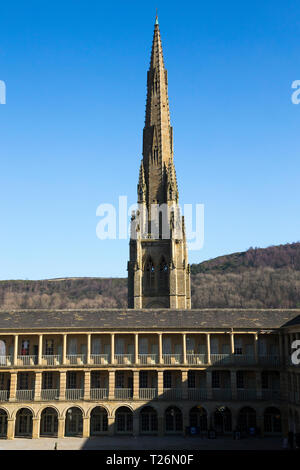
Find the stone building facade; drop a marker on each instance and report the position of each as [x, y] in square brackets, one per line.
[158, 367]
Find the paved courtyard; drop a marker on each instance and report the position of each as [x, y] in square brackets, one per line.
[143, 443]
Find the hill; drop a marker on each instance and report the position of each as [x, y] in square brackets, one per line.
[257, 278]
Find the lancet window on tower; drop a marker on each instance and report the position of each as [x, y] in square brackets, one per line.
[149, 278]
[163, 275]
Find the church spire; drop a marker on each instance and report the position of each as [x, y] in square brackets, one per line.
[157, 135]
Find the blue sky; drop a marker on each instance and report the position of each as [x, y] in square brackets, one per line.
[71, 130]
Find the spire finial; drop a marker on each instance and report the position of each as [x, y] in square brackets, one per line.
[156, 17]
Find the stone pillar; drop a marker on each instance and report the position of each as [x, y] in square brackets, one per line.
[62, 385]
[184, 348]
[258, 385]
[184, 382]
[64, 358]
[10, 428]
[209, 384]
[88, 349]
[233, 384]
[16, 350]
[35, 428]
[40, 350]
[136, 384]
[136, 348]
[112, 348]
[86, 426]
[111, 425]
[13, 386]
[208, 348]
[87, 385]
[38, 386]
[232, 344]
[160, 383]
[61, 427]
[111, 384]
[255, 337]
[160, 355]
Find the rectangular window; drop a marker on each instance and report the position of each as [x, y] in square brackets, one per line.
[23, 381]
[238, 346]
[119, 379]
[71, 380]
[264, 380]
[240, 379]
[96, 346]
[143, 379]
[49, 347]
[214, 345]
[25, 348]
[167, 379]
[95, 379]
[215, 377]
[47, 380]
[191, 379]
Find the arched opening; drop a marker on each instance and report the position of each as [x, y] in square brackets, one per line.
[124, 420]
[198, 418]
[247, 419]
[163, 276]
[74, 422]
[49, 422]
[23, 423]
[148, 420]
[173, 420]
[3, 424]
[99, 421]
[149, 276]
[272, 421]
[222, 420]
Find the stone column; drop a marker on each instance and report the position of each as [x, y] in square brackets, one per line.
[61, 427]
[86, 426]
[160, 383]
[184, 348]
[209, 384]
[112, 348]
[10, 428]
[37, 386]
[255, 337]
[13, 386]
[40, 350]
[87, 385]
[35, 428]
[208, 348]
[16, 350]
[233, 384]
[160, 355]
[232, 344]
[111, 384]
[111, 425]
[136, 384]
[62, 385]
[136, 348]
[88, 349]
[258, 385]
[184, 384]
[64, 356]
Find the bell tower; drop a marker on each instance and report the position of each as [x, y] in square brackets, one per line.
[158, 269]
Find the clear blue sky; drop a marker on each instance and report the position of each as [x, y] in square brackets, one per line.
[71, 131]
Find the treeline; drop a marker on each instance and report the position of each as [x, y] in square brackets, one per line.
[256, 278]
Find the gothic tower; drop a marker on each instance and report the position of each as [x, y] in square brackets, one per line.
[158, 269]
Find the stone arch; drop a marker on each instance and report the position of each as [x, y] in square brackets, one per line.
[43, 407]
[15, 411]
[106, 408]
[98, 420]
[222, 420]
[126, 405]
[247, 418]
[148, 420]
[272, 420]
[23, 423]
[64, 412]
[49, 422]
[173, 420]
[149, 274]
[2, 408]
[198, 418]
[74, 421]
[124, 420]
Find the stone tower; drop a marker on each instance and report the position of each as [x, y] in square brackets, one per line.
[158, 269]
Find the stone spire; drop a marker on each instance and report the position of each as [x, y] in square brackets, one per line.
[157, 135]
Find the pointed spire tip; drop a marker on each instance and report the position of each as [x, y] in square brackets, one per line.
[156, 17]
